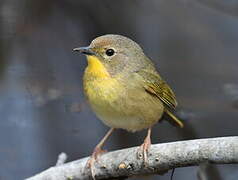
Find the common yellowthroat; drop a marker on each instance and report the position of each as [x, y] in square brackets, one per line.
[124, 89]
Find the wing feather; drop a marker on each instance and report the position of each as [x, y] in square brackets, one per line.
[158, 87]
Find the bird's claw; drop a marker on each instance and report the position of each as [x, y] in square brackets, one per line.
[94, 158]
[143, 151]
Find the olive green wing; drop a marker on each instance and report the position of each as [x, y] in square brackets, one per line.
[154, 85]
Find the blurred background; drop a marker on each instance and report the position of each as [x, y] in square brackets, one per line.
[43, 110]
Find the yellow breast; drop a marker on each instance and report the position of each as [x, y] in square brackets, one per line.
[99, 86]
[112, 102]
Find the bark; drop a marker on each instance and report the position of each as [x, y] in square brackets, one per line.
[161, 158]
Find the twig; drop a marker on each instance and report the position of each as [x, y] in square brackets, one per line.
[61, 159]
[161, 158]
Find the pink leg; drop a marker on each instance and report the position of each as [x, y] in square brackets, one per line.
[145, 147]
[97, 152]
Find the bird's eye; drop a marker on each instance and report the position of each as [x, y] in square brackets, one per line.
[110, 52]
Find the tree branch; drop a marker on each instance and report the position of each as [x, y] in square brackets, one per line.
[161, 158]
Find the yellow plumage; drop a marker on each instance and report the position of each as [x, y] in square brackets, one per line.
[96, 68]
[124, 89]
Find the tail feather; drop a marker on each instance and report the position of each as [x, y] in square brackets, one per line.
[174, 118]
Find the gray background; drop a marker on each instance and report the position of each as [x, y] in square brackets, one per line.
[194, 44]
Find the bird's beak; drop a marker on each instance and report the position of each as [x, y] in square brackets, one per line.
[85, 50]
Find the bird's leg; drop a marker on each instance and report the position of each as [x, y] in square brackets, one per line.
[97, 152]
[143, 150]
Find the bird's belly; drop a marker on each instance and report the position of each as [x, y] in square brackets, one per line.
[119, 109]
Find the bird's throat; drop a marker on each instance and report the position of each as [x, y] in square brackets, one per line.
[96, 68]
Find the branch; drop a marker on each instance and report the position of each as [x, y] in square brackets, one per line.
[161, 158]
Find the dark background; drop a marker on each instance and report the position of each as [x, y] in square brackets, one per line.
[43, 110]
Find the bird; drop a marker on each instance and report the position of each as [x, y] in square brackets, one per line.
[125, 90]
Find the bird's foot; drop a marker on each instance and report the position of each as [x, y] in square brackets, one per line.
[143, 150]
[94, 157]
